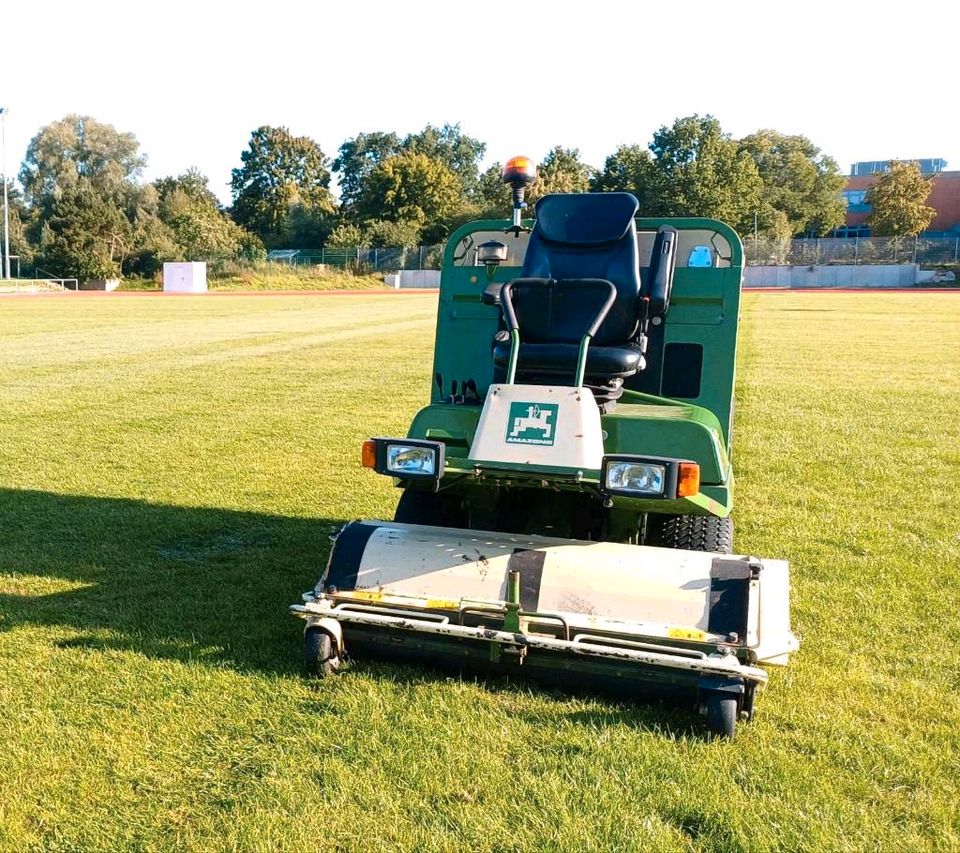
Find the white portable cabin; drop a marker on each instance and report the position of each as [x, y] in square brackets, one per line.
[189, 277]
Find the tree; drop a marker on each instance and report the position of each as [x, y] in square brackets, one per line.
[360, 156]
[18, 217]
[86, 235]
[701, 171]
[798, 180]
[152, 242]
[204, 232]
[561, 171]
[75, 149]
[411, 188]
[449, 145]
[199, 227]
[491, 195]
[279, 170]
[179, 193]
[898, 198]
[87, 211]
[629, 169]
[382, 234]
[346, 235]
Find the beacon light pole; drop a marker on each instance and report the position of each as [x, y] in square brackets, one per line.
[6, 213]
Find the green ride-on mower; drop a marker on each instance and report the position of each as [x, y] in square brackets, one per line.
[566, 495]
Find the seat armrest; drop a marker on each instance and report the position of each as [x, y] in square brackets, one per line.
[663, 261]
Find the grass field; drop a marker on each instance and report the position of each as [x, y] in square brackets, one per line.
[170, 470]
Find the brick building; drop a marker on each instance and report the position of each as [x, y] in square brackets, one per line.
[944, 197]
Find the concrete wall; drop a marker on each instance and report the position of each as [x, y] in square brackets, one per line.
[99, 284]
[418, 278]
[838, 275]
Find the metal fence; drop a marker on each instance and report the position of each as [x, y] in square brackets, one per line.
[762, 251]
[361, 259]
[853, 250]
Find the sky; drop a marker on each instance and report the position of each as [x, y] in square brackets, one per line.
[191, 80]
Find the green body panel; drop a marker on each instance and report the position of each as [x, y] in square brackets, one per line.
[682, 432]
[646, 425]
[704, 309]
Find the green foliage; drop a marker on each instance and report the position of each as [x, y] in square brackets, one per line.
[561, 171]
[279, 171]
[84, 205]
[898, 198]
[180, 193]
[346, 235]
[153, 242]
[411, 188]
[79, 148]
[305, 228]
[200, 230]
[798, 180]
[360, 156]
[18, 217]
[377, 188]
[272, 276]
[414, 189]
[700, 171]
[491, 196]
[382, 233]
[449, 145]
[86, 236]
[629, 169]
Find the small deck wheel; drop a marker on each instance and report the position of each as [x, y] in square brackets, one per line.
[319, 653]
[722, 714]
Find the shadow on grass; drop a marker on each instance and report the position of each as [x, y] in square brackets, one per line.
[602, 707]
[212, 585]
[166, 581]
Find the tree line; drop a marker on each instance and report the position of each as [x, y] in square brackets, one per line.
[84, 210]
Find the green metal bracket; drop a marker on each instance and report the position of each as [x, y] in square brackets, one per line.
[582, 362]
[511, 619]
[514, 355]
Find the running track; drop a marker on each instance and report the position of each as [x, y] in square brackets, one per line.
[433, 291]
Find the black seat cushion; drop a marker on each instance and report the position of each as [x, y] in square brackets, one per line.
[562, 358]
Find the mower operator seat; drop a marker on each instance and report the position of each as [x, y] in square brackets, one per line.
[578, 237]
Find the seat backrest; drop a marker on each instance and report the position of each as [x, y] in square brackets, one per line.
[582, 236]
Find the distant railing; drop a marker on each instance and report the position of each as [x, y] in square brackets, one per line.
[852, 250]
[374, 260]
[763, 251]
[38, 285]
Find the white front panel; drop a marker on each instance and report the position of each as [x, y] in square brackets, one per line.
[594, 585]
[539, 425]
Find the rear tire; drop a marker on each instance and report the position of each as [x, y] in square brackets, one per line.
[691, 532]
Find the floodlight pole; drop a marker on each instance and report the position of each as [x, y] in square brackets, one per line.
[6, 214]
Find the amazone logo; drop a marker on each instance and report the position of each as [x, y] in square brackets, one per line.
[532, 423]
